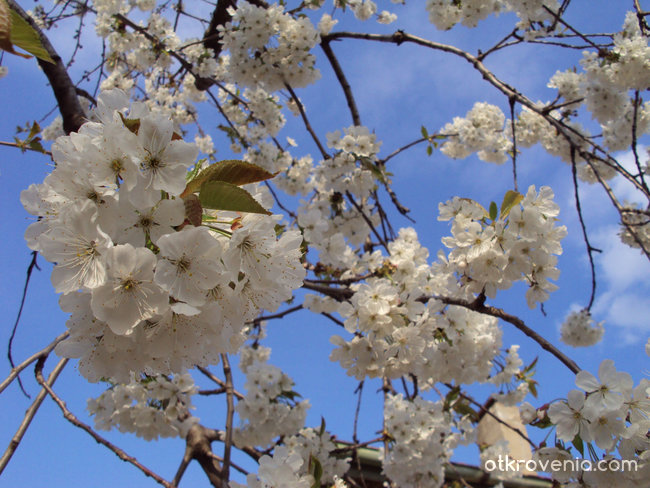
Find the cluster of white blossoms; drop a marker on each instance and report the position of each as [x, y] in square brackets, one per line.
[422, 442]
[579, 330]
[269, 47]
[396, 334]
[444, 14]
[334, 219]
[151, 407]
[317, 445]
[481, 131]
[514, 386]
[280, 470]
[269, 409]
[519, 243]
[612, 413]
[149, 291]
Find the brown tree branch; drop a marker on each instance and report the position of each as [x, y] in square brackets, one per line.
[70, 417]
[340, 75]
[227, 372]
[64, 89]
[42, 353]
[480, 307]
[31, 412]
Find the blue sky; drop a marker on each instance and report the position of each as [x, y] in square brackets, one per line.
[398, 89]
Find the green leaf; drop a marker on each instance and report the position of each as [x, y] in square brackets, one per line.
[322, 427]
[423, 131]
[219, 195]
[230, 171]
[544, 423]
[36, 145]
[132, 124]
[510, 199]
[25, 37]
[195, 170]
[578, 444]
[317, 471]
[429, 150]
[531, 365]
[493, 211]
[34, 129]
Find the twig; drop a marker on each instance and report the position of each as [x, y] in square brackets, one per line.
[381, 240]
[338, 71]
[590, 248]
[30, 269]
[305, 121]
[218, 381]
[637, 102]
[485, 411]
[43, 352]
[357, 411]
[24, 148]
[30, 413]
[511, 101]
[278, 315]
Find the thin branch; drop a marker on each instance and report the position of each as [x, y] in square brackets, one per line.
[568, 26]
[478, 306]
[339, 294]
[278, 315]
[225, 466]
[42, 353]
[338, 71]
[499, 45]
[278, 203]
[400, 37]
[357, 411]
[24, 148]
[590, 248]
[333, 319]
[70, 417]
[637, 102]
[305, 120]
[187, 458]
[381, 240]
[485, 411]
[218, 381]
[29, 414]
[403, 148]
[30, 269]
[511, 101]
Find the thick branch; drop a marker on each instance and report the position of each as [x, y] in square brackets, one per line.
[199, 440]
[62, 86]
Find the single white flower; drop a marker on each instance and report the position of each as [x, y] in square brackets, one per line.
[190, 264]
[129, 294]
[609, 391]
[77, 244]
